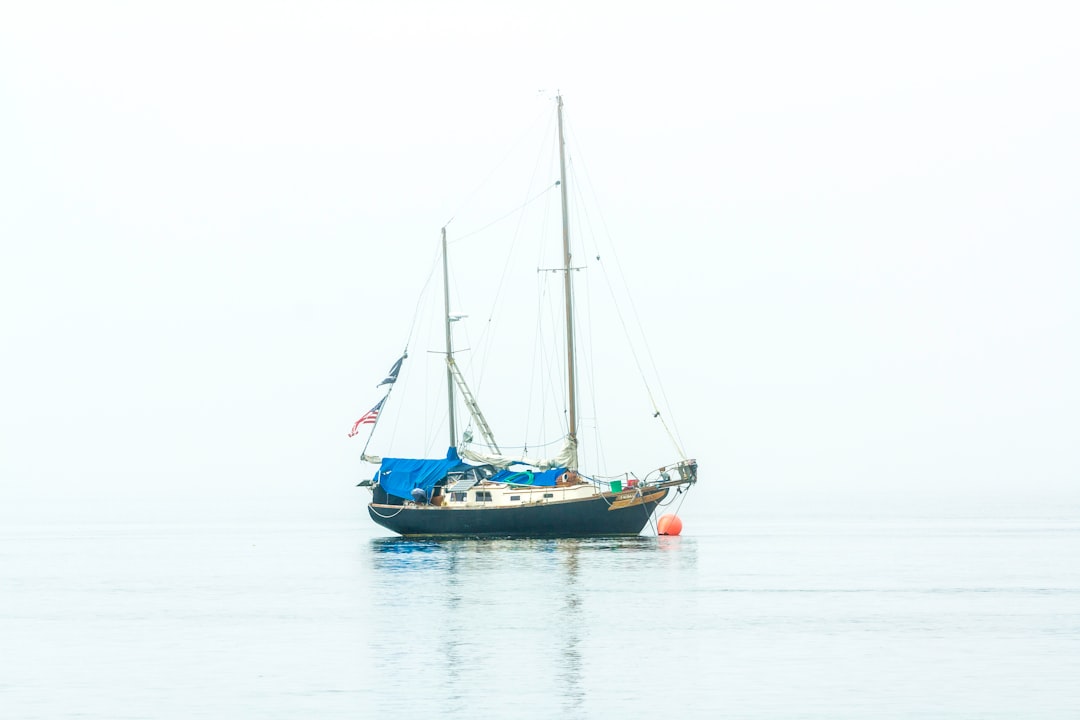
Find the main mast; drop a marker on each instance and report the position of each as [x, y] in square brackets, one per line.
[449, 344]
[571, 368]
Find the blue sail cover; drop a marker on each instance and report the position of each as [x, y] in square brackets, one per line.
[400, 476]
[546, 478]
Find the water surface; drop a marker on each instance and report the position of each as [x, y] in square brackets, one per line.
[749, 617]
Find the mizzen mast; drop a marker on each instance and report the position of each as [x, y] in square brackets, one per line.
[449, 344]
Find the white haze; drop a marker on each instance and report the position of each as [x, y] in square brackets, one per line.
[852, 227]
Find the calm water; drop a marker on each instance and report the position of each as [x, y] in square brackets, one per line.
[741, 617]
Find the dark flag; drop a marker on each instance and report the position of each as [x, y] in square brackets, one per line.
[391, 377]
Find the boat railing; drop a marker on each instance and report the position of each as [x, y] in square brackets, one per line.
[614, 483]
[683, 472]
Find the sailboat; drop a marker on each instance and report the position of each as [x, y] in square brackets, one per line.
[488, 493]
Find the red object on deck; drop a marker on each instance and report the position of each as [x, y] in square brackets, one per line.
[669, 525]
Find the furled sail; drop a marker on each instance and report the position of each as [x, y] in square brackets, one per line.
[567, 458]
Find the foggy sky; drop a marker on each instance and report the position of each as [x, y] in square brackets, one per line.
[854, 229]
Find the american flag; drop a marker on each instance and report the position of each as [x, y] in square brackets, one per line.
[367, 418]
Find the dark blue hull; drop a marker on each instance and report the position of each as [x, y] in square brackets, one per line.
[589, 517]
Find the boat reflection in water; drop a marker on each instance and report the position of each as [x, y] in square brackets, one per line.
[543, 623]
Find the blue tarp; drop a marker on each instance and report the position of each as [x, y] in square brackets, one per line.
[400, 476]
[529, 477]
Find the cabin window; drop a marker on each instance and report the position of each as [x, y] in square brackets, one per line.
[458, 497]
[483, 496]
[514, 497]
[549, 495]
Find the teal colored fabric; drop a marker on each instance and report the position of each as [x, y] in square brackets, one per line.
[546, 478]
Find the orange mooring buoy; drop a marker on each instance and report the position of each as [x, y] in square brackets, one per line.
[669, 525]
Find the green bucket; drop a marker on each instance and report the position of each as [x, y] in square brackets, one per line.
[616, 486]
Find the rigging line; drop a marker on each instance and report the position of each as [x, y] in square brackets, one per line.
[549, 443]
[420, 299]
[652, 523]
[601, 461]
[558, 366]
[588, 354]
[382, 405]
[548, 367]
[540, 351]
[641, 371]
[561, 365]
[669, 502]
[436, 412]
[430, 445]
[455, 290]
[540, 285]
[509, 256]
[408, 342]
[684, 493]
[484, 344]
[648, 513]
[397, 416]
[546, 385]
[543, 381]
[585, 358]
[521, 138]
[637, 317]
[499, 219]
